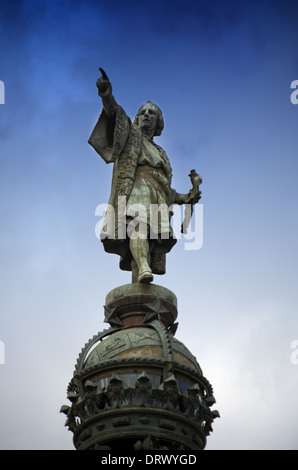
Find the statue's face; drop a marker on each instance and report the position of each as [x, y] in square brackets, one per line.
[148, 117]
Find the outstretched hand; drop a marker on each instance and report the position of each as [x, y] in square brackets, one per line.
[192, 197]
[103, 84]
[195, 193]
[197, 197]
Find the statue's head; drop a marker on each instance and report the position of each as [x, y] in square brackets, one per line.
[150, 115]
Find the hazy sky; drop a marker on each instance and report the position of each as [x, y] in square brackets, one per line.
[221, 72]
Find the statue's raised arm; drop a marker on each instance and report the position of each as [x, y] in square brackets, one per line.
[105, 92]
[111, 131]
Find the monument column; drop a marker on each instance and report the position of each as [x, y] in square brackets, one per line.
[135, 386]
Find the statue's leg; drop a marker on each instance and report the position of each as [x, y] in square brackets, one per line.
[134, 271]
[140, 251]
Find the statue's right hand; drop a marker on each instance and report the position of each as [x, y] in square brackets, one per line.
[103, 84]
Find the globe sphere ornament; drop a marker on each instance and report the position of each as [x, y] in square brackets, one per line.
[135, 386]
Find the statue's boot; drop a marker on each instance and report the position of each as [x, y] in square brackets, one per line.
[140, 251]
[145, 276]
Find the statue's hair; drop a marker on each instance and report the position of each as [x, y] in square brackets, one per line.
[160, 122]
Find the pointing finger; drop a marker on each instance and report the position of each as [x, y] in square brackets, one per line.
[104, 75]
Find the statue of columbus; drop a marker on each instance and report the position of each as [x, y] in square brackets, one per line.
[141, 182]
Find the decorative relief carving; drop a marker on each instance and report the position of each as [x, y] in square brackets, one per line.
[194, 403]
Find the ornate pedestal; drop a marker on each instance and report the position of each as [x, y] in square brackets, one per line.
[135, 386]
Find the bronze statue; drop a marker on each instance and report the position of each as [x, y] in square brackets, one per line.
[137, 222]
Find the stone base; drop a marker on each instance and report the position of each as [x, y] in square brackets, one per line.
[135, 386]
[137, 304]
[166, 429]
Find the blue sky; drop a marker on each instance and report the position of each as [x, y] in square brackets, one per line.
[221, 72]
